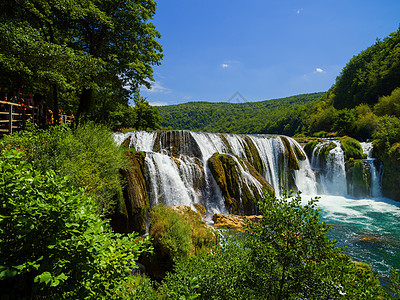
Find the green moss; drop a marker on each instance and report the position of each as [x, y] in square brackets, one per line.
[290, 154]
[309, 147]
[253, 157]
[351, 148]
[136, 200]
[325, 149]
[226, 143]
[126, 143]
[358, 177]
[239, 198]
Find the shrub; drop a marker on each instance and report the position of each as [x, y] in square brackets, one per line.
[52, 241]
[88, 155]
[172, 235]
[287, 255]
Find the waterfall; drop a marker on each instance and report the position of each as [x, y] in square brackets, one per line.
[376, 170]
[177, 165]
[329, 165]
[178, 172]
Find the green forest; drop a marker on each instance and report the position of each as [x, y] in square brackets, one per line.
[63, 188]
[284, 115]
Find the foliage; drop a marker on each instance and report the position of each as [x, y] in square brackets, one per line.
[224, 273]
[53, 243]
[147, 116]
[179, 231]
[286, 256]
[323, 119]
[68, 49]
[172, 235]
[344, 123]
[387, 134]
[372, 73]
[351, 148]
[88, 155]
[285, 116]
[389, 105]
[395, 284]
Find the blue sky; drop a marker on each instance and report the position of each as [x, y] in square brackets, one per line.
[261, 49]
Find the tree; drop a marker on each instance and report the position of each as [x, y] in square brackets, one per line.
[114, 38]
[125, 40]
[147, 116]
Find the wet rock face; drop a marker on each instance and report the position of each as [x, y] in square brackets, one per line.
[136, 202]
[176, 143]
[239, 192]
[358, 175]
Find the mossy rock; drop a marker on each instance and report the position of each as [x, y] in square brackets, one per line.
[136, 200]
[351, 148]
[252, 155]
[358, 177]
[126, 142]
[201, 210]
[228, 148]
[324, 150]
[239, 196]
[233, 222]
[293, 162]
[309, 147]
[177, 142]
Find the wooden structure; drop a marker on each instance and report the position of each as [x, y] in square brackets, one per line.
[13, 116]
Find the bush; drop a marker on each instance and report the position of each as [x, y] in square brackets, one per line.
[52, 241]
[172, 235]
[88, 155]
[286, 256]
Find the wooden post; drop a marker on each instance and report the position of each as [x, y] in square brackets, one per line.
[10, 120]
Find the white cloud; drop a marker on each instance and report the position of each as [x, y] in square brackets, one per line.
[319, 70]
[299, 11]
[224, 66]
[158, 103]
[156, 88]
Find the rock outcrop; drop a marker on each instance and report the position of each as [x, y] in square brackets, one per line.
[240, 183]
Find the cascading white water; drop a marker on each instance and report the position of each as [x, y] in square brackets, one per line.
[331, 170]
[178, 174]
[376, 172]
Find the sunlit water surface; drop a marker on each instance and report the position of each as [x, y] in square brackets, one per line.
[368, 228]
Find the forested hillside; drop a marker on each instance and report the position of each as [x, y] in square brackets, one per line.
[271, 116]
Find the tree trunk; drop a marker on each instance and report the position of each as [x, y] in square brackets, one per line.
[85, 102]
[55, 104]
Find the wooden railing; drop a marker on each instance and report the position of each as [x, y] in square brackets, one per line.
[13, 116]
